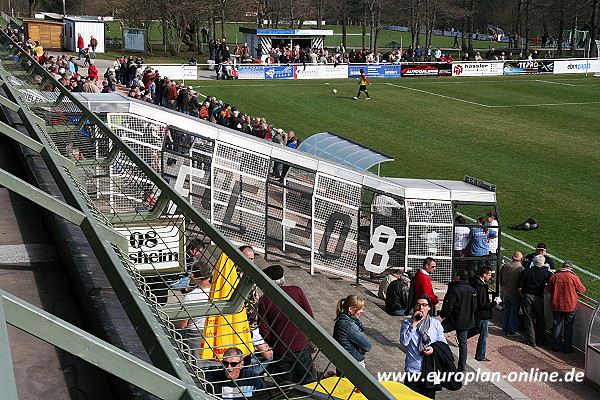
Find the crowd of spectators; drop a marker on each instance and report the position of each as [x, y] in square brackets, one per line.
[147, 84]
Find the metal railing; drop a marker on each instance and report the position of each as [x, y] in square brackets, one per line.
[147, 237]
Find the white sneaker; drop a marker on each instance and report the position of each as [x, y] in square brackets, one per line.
[355, 98]
[368, 98]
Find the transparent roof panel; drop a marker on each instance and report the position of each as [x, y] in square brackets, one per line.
[333, 147]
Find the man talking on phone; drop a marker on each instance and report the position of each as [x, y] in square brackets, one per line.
[417, 335]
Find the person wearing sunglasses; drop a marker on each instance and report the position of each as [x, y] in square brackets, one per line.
[417, 334]
[234, 381]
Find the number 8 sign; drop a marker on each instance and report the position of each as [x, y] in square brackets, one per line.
[383, 240]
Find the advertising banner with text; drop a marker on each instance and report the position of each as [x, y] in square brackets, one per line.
[576, 66]
[251, 72]
[321, 71]
[375, 71]
[528, 67]
[279, 72]
[433, 69]
[477, 69]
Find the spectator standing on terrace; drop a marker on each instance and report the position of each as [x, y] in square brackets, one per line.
[418, 53]
[234, 381]
[478, 239]
[540, 249]
[509, 276]
[492, 242]
[422, 283]
[483, 312]
[478, 56]
[437, 54]
[531, 284]
[172, 96]
[428, 53]
[458, 312]
[204, 113]
[93, 45]
[292, 348]
[80, 46]
[417, 334]
[362, 85]
[348, 329]
[193, 104]
[490, 54]
[461, 238]
[564, 286]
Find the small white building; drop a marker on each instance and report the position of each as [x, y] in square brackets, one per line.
[87, 26]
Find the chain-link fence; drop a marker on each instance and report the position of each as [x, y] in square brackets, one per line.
[234, 329]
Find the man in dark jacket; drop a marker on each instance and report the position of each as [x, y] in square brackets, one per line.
[396, 295]
[539, 249]
[458, 312]
[484, 311]
[532, 285]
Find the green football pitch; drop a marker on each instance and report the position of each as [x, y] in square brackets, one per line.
[535, 137]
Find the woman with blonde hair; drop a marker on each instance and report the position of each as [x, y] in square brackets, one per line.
[348, 330]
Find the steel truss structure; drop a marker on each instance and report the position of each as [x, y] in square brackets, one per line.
[146, 235]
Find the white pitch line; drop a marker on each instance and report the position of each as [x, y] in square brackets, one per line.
[533, 248]
[546, 104]
[554, 83]
[439, 95]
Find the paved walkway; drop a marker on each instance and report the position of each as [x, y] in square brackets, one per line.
[30, 269]
[507, 355]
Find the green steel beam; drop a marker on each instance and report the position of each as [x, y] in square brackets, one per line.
[8, 104]
[54, 205]
[321, 338]
[82, 344]
[30, 143]
[225, 307]
[151, 333]
[8, 383]
[19, 136]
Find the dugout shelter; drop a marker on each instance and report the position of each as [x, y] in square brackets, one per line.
[261, 41]
[318, 212]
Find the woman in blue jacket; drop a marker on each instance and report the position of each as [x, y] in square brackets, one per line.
[348, 328]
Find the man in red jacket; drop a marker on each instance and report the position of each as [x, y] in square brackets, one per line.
[564, 286]
[292, 348]
[422, 282]
[80, 45]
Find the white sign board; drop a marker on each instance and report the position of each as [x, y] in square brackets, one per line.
[177, 71]
[321, 72]
[155, 246]
[134, 39]
[477, 69]
[576, 66]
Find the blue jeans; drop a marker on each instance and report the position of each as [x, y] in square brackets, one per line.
[397, 312]
[557, 322]
[293, 367]
[511, 314]
[481, 328]
[258, 365]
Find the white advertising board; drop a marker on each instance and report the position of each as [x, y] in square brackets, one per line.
[576, 66]
[177, 71]
[155, 246]
[321, 72]
[477, 69]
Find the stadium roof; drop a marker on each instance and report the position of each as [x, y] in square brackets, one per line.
[333, 147]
